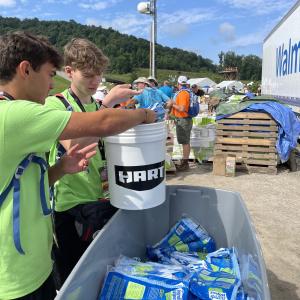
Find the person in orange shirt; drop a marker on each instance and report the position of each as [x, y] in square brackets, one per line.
[184, 123]
[128, 104]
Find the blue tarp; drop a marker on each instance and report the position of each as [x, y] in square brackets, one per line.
[288, 125]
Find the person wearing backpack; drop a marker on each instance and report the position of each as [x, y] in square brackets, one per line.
[82, 204]
[183, 120]
[28, 129]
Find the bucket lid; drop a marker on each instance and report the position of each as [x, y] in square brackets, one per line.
[147, 132]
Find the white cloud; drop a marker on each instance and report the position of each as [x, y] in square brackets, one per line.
[175, 30]
[187, 16]
[255, 38]
[65, 2]
[177, 24]
[261, 7]
[227, 31]
[8, 3]
[98, 5]
[250, 39]
[125, 23]
[95, 6]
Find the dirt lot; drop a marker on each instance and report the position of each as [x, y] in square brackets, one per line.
[273, 202]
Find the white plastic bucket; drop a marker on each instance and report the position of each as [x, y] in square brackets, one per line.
[136, 166]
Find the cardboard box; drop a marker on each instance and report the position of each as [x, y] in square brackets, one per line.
[219, 165]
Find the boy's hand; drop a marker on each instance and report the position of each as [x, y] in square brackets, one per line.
[150, 116]
[119, 93]
[74, 160]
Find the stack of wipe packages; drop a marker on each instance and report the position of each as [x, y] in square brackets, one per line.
[218, 277]
[187, 267]
[185, 236]
[215, 277]
[131, 279]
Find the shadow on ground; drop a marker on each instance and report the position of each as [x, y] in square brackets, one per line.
[281, 290]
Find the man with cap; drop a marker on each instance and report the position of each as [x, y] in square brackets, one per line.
[183, 121]
[150, 95]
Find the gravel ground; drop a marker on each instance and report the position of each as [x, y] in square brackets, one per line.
[273, 203]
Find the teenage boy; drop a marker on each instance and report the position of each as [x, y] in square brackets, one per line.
[80, 204]
[28, 129]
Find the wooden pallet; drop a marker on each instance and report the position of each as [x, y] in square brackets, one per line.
[251, 137]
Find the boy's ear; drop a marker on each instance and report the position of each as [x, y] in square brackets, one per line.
[68, 71]
[23, 68]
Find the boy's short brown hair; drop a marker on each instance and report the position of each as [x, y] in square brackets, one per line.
[83, 55]
[18, 46]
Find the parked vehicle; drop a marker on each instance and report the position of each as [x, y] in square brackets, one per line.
[281, 60]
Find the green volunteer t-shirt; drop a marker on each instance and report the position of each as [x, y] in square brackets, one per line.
[82, 187]
[25, 127]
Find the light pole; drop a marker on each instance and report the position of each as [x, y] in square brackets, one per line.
[149, 8]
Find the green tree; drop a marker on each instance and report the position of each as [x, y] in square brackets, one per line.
[249, 66]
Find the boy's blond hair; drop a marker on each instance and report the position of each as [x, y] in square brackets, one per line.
[83, 55]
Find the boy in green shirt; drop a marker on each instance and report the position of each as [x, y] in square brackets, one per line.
[77, 195]
[28, 129]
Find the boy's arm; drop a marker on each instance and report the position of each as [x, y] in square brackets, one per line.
[115, 96]
[105, 122]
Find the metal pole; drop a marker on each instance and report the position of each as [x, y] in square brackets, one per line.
[150, 53]
[154, 36]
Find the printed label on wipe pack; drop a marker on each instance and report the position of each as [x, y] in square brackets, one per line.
[214, 295]
[140, 178]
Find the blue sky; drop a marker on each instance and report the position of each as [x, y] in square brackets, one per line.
[202, 26]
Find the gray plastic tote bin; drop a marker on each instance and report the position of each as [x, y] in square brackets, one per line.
[222, 213]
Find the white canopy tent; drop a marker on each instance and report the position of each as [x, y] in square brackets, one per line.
[202, 82]
[229, 84]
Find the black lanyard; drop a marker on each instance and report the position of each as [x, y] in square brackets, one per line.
[4, 95]
[75, 97]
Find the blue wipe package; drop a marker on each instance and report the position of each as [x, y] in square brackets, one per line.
[219, 278]
[151, 269]
[132, 279]
[122, 286]
[185, 236]
[192, 261]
